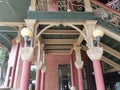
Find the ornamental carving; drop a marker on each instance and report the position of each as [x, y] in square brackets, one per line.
[106, 15]
[44, 68]
[39, 64]
[27, 53]
[95, 53]
[79, 64]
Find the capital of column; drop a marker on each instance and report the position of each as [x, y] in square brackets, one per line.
[27, 53]
[44, 68]
[79, 64]
[39, 64]
[95, 53]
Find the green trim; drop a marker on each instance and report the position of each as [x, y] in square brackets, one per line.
[64, 16]
[108, 26]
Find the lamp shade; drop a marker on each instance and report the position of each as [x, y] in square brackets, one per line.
[26, 32]
[98, 33]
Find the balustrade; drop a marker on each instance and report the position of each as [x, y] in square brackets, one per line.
[105, 13]
[61, 5]
[114, 4]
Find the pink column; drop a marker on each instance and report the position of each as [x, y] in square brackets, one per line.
[38, 78]
[24, 85]
[72, 70]
[98, 75]
[42, 86]
[80, 79]
[14, 67]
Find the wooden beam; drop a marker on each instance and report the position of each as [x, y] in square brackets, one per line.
[58, 41]
[110, 50]
[59, 47]
[58, 52]
[64, 32]
[110, 62]
[110, 33]
[63, 22]
[12, 23]
[111, 70]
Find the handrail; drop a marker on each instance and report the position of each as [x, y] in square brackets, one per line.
[105, 6]
[112, 2]
[106, 13]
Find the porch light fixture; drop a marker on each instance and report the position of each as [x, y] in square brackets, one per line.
[97, 34]
[27, 35]
[27, 52]
[25, 32]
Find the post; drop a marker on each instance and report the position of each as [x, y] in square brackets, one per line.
[95, 55]
[79, 66]
[72, 73]
[15, 64]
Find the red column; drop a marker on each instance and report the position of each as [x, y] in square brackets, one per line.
[38, 78]
[24, 85]
[14, 67]
[72, 70]
[42, 86]
[80, 79]
[98, 75]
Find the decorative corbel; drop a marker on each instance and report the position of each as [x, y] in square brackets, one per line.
[95, 53]
[78, 63]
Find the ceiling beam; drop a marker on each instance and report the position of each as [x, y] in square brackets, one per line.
[110, 33]
[110, 50]
[110, 62]
[58, 41]
[12, 23]
[63, 22]
[111, 70]
[66, 32]
[8, 31]
[58, 52]
[59, 47]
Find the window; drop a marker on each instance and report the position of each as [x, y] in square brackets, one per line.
[64, 77]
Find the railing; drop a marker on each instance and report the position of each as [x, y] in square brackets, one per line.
[60, 5]
[114, 4]
[106, 13]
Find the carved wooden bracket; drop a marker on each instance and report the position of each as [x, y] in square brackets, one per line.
[27, 53]
[95, 53]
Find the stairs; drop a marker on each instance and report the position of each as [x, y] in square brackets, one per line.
[107, 16]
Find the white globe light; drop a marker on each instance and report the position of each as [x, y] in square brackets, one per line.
[98, 33]
[26, 32]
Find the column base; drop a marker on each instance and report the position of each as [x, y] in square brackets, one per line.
[73, 88]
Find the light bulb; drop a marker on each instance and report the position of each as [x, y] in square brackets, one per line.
[25, 32]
